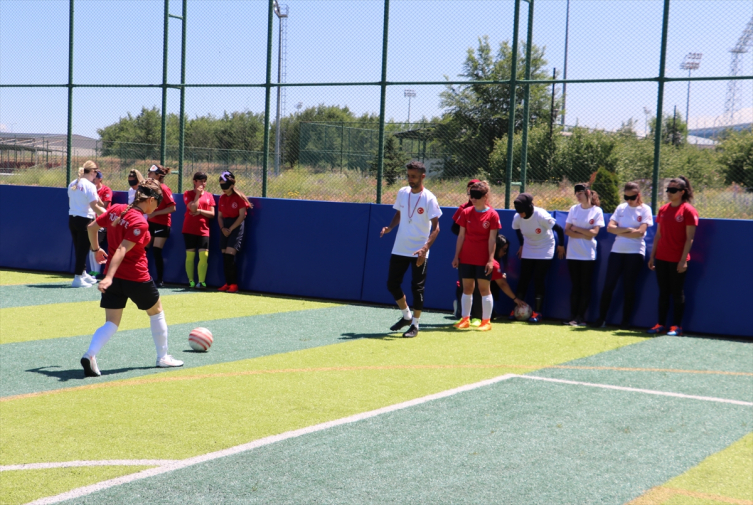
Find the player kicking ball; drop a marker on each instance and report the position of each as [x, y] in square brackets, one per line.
[417, 214]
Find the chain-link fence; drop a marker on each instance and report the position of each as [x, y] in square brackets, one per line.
[311, 104]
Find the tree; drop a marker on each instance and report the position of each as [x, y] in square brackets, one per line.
[607, 186]
[737, 157]
[583, 152]
[308, 139]
[673, 129]
[478, 114]
[540, 157]
[394, 161]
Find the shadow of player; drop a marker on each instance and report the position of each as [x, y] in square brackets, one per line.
[78, 373]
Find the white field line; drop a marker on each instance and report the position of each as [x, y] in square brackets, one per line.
[172, 465]
[636, 390]
[83, 491]
[103, 462]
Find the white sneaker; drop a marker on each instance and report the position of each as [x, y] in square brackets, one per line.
[88, 278]
[89, 363]
[80, 282]
[168, 361]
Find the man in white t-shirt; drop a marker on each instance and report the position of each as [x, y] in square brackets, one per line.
[417, 213]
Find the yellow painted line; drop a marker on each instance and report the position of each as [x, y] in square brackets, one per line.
[661, 494]
[41, 322]
[174, 378]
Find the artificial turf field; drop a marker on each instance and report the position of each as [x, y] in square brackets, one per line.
[304, 401]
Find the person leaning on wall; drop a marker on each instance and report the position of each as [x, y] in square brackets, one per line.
[83, 207]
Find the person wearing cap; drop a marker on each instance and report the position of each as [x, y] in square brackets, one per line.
[474, 255]
[105, 200]
[83, 207]
[417, 214]
[584, 220]
[199, 210]
[231, 219]
[159, 221]
[629, 223]
[535, 229]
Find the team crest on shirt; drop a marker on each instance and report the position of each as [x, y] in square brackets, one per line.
[137, 232]
[679, 218]
[235, 205]
[591, 222]
[486, 225]
[640, 218]
[538, 231]
[420, 210]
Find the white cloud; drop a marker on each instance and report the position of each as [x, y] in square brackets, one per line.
[742, 116]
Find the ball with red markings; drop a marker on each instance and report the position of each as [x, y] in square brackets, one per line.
[523, 312]
[200, 339]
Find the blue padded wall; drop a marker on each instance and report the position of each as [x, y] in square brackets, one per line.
[333, 250]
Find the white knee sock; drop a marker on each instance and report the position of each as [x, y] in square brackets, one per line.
[465, 305]
[415, 322]
[100, 338]
[487, 305]
[406, 313]
[159, 333]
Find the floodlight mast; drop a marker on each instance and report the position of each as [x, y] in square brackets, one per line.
[692, 61]
[281, 11]
[410, 93]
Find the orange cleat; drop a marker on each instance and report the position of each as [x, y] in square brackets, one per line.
[224, 287]
[485, 325]
[463, 324]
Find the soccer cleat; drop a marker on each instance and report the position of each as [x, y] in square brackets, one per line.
[571, 322]
[512, 317]
[191, 284]
[536, 317]
[655, 330]
[485, 325]
[201, 285]
[233, 288]
[463, 323]
[580, 322]
[412, 332]
[80, 282]
[675, 331]
[168, 361]
[475, 323]
[402, 323]
[224, 287]
[90, 366]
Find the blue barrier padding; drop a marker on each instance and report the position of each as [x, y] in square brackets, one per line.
[333, 250]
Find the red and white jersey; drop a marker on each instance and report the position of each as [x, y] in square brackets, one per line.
[478, 227]
[673, 221]
[230, 206]
[167, 200]
[197, 225]
[498, 272]
[460, 210]
[134, 228]
[105, 194]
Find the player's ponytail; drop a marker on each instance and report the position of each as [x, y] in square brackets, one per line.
[684, 184]
[88, 167]
[149, 188]
[160, 171]
[595, 201]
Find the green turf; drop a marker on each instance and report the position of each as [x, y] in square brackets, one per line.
[11, 277]
[514, 442]
[40, 365]
[685, 353]
[160, 420]
[39, 322]
[49, 293]
[23, 486]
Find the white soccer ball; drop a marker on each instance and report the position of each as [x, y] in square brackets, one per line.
[200, 339]
[523, 312]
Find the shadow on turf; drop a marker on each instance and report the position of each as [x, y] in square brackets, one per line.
[50, 286]
[78, 373]
[397, 334]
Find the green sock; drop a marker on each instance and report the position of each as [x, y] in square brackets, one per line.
[190, 256]
[203, 265]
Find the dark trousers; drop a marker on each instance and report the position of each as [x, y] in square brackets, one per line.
[581, 273]
[536, 270]
[627, 266]
[671, 284]
[78, 226]
[398, 266]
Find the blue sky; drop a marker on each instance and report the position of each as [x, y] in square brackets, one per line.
[120, 41]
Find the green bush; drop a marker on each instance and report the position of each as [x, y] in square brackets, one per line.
[737, 158]
[607, 186]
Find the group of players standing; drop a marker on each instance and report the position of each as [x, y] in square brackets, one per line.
[128, 230]
[480, 248]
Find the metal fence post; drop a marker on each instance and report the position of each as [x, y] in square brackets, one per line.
[163, 132]
[382, 97]
[526, 100]
[267, 92]
[69, 140]
[659, 109]
[512, 107]
[182, 139]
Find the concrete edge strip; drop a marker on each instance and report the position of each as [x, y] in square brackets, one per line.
[72, 464]
[636, 390]
[177, 465]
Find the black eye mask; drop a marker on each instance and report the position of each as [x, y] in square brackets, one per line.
[226, 185]
[630, 197]
[133, 182]
[475, 194]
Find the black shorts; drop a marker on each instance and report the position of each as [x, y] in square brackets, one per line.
[474, 272]
[234, 239]
[195, 241]
[157, 230]
[143, 294]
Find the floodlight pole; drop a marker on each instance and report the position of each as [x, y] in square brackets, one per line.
[511, 108]
[280, 15]
[692, 61]
[564, 70]
[382, 100]
[659, 109]
[267, 92]
[163, 131]
[526, 100]
[410, 93]
[69, 139]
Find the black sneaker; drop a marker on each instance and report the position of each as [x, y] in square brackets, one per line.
[90, 367]
[412, 332]
[402, 323]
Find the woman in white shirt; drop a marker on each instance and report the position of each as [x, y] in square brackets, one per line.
[584, 220]
[629, 223]
[83, 207]
[134, 179]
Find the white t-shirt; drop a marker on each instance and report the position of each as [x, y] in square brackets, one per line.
[416, 213]
[631, 217]
[131, 195]
[582, 248]
[80, 194]
[538, 243]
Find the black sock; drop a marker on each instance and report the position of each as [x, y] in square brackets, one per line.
[159, 263]
[539, 304]
[230, 271]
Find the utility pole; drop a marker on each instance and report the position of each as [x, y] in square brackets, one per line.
[410, 93]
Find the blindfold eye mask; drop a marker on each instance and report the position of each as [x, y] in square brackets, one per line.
[476, 194]
[133, 182]
[226, 185]
[631, 197]
[579, 187]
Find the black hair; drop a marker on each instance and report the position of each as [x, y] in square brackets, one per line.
[200, 176]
